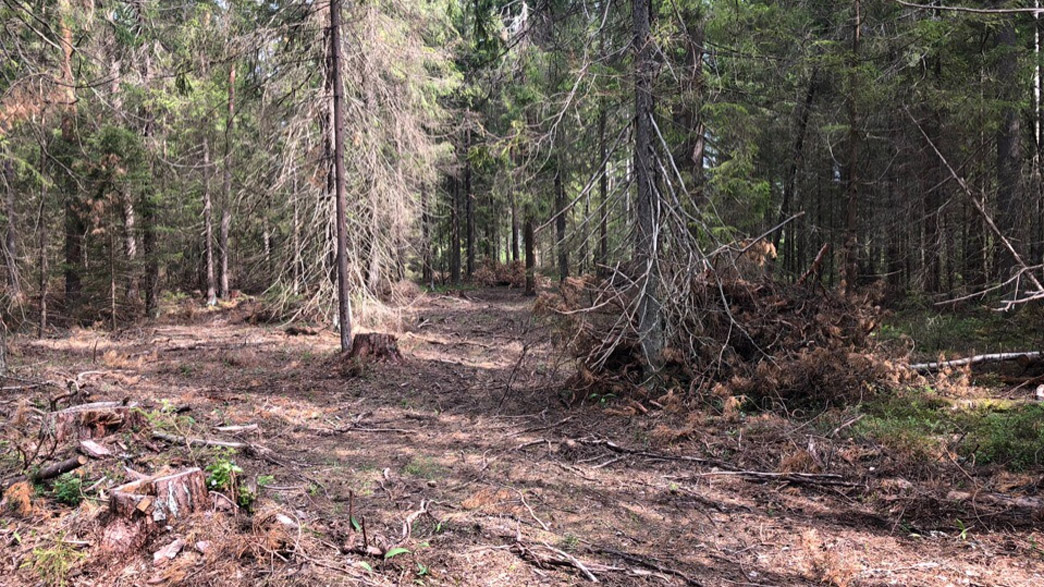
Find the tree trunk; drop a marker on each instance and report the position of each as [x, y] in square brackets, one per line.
[295, 235]
[14, 281]
[44, 281]
[208, 227]
[344, 309]
[469, 210]
[603, 195]
[130, 248]
[226, 204]
[515, 252]
[849, 267]
[787, 233]
[74, 224]
[148, 202]
[1009, 147]
[427, 271]
[454, 251]
[650, 321]
[560, 224]
[152, 289]
[530, 258]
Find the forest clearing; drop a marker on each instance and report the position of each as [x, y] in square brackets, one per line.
[521, 292]
[467, 458]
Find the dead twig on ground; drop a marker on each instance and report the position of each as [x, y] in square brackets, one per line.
[654, 455]
[644, 561]
[522, 496]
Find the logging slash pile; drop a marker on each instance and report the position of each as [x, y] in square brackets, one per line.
[751, 338]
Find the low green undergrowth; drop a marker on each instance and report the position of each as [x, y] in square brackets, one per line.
[979, 330]
[920, 424]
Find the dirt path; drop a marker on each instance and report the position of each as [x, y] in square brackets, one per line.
[522, 490]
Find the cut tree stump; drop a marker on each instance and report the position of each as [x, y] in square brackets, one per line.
[162, 498]
[139, 507]
[369, 347]
[375, 346]
[95, 420]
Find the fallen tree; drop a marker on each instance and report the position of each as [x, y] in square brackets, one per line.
[1024, 357]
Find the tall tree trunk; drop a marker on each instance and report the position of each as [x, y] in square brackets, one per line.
[1009, 147]
[688, 114]
[650, 320]
[850, 265]
[787, 233]
[469, 200]
[427, 271]
[585, 254]
[42, 244]
[295, 240]
[530, 257]
[130, 248]
[14, 281]
[515, 249]
[208, 227]
[344, 308]
[560, 225]
[603, 194]
[130, 238]
[148, 201]
[74, 223]
[454, 252]
[226, 204]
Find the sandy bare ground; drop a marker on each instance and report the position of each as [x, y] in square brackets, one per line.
[471, 441]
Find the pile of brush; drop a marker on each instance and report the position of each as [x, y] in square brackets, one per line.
[736, 332]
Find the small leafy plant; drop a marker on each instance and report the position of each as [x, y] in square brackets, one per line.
[68, 489]
[54, 563]
[223, 475]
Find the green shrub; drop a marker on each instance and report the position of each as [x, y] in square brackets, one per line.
[68, 489]
[54, 563]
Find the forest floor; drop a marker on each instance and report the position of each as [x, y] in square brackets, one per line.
[468, 456]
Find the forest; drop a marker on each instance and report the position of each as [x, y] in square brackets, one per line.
[521, 292]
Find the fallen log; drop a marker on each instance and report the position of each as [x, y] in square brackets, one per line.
[989, 358]
[199, 441]
[48, 471]
[1007, 502]
[236, 429]
[253, 449]
[60, 468]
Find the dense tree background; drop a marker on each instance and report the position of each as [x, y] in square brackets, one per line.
[151, 148]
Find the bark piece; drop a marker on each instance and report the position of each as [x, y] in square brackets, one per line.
[168, 552]
[94, 449]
